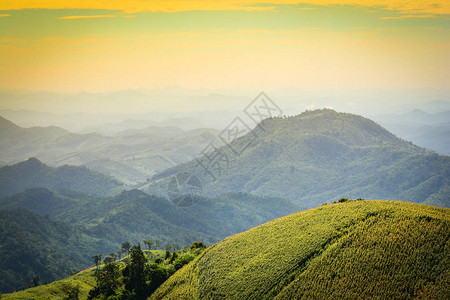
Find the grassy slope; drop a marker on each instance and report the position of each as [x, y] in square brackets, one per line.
[361, 249]
[84, 279]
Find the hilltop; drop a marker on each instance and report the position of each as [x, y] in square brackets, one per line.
[33, 173]
[323, 155]
[359, 249]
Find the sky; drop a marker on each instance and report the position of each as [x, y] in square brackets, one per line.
[110, 45]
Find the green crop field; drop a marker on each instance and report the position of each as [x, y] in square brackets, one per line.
[358, 249]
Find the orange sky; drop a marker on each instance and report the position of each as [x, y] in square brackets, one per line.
[111, 45]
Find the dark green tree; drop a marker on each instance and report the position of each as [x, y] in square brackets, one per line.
[149, 244]
[70, 291]
[126, 247]
[108, 279]
[110, 258]
[198, 245]
[135, 273]
[36, 280]
[97, 259]
[157, 275]
[168, 247]
[158, 244]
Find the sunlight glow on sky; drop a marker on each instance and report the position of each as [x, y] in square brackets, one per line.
[112, 45]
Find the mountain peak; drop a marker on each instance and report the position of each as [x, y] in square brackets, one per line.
[31, 165]
[345, 128]
[7, 125]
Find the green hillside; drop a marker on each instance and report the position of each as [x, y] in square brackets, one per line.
[57, 290]
[33, 173]
[90, 224]
[159, 266]
[134, 216]
[319, 156]
[35, 245]
[356, 250]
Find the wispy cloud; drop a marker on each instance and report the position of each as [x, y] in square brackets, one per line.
[94, 16]
[134, 6]
[408, 17]
[4, 15]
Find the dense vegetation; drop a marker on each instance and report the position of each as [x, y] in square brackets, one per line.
[130, 216]
[354, 249]
[33, 245]
[133, 277]
[33, 173]
[320, 156]
[134, 216]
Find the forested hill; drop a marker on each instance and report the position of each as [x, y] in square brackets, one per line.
[133, 215]
[33, 245]
[80, 226]
[33, 173]
[320, 156]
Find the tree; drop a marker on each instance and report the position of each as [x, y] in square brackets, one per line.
[119, 253]
[149, 244]
[157, 276]
[110, 258]
[198, 245]
[36, 280]
[135, 272]
[108, 280]
[97, 259]
[126, 247]
[158, 244]
[70, 291]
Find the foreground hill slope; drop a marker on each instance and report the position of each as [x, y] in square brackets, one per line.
[361, 249]
[320, 156]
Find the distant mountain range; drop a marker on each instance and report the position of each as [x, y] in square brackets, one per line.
[431, 131]
[131, 156]
[321, 156]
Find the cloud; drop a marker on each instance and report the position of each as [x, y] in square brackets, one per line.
[407, 17]
[4, 15]
[134, 6]
[94, 16]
